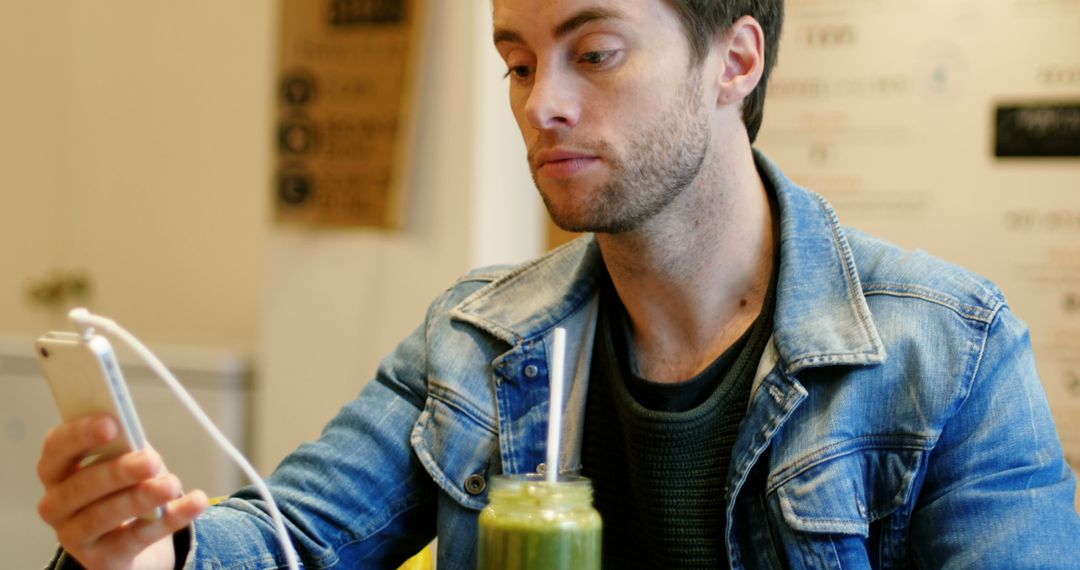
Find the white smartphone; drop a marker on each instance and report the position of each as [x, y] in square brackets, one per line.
[85, 379]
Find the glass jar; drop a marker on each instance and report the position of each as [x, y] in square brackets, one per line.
[530, 524]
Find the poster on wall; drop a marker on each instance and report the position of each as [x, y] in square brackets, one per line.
[921, 125]
[344, 110]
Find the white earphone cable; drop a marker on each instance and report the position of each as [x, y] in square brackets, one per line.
[87, 321]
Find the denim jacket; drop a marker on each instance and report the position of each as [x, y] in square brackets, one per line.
[896, 420]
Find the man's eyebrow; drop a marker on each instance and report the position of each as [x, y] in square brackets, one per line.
[569, 25]
[504, 35]
[584, 17]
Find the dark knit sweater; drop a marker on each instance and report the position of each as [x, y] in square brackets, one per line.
[659, 476]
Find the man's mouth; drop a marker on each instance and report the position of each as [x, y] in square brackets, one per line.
[560, 163]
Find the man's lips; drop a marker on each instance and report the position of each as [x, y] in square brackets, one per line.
[562, 163]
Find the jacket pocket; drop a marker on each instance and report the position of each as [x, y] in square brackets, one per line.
[831, 509]
[456, 442]
[844, 488]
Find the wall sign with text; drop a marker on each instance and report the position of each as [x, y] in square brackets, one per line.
[344, 110]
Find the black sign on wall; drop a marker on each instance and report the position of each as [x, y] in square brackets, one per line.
[366, 12]
[1037, 130]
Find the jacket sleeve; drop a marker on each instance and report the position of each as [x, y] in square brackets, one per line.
[356, 497]
[997, 492]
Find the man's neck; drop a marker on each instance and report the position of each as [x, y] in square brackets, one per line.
[694, 280]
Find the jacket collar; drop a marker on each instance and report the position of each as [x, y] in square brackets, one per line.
[536, 296]
[821, 315]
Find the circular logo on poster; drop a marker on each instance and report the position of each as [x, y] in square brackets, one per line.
[296, 135]
[297, 88]
[294, 187]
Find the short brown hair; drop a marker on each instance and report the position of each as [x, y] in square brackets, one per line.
[704, 20]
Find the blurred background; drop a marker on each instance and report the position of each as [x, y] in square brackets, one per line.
[138, 158]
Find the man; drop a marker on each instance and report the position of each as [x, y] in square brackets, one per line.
[751, 384]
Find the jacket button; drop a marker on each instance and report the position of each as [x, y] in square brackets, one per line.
[475, 484]
[531, 371]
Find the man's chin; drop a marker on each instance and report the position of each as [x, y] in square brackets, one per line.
[578, 222]
[569, 224]
[572, 210]
[575, 221]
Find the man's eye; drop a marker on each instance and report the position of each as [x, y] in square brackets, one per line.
[518, 71]
[595, 57]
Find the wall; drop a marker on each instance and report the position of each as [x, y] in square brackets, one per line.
[135, 147]
[335, 302]
[35, 56]
[138, 149]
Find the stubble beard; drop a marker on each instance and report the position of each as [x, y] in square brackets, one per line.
[661, 160]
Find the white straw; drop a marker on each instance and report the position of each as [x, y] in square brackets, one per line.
[555, 397]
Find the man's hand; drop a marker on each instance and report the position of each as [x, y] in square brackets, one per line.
[94, 510]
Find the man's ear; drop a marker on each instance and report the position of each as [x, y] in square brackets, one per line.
[742, 55]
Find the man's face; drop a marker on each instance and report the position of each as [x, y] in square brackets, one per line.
[612, 113]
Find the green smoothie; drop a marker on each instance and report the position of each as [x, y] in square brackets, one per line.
[530, 524]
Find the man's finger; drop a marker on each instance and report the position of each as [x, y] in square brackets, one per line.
[115, 511]
[140, 534]
[64, 499]
[67, 444]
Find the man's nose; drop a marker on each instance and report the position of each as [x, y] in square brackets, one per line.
[553, 101]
